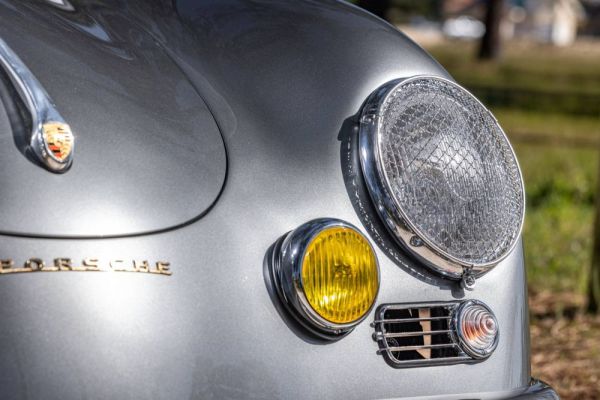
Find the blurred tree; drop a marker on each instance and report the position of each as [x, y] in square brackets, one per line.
[377, 7]
[593, 303]
[402, 11]
[491, 42]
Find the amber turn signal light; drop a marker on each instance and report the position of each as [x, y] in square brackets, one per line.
[476, 328]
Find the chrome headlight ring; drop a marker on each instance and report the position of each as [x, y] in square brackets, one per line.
[442, 175]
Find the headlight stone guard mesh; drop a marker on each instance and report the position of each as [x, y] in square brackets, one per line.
[442, 173]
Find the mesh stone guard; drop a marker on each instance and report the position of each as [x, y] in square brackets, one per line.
[442, 174]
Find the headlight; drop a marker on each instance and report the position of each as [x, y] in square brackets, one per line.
[326, 273]
[442, 174]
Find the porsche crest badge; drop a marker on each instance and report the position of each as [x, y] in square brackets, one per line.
[59, 140]
[53, 144]
[51, 139]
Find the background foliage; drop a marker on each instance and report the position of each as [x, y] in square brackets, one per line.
[548, 101]
[556, 147]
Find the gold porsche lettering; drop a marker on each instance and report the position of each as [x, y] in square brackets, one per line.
[163, 267]
[6, 264]
[64, 264]
[90, 264]
[35, 264]
[116, 265]
[141, 266]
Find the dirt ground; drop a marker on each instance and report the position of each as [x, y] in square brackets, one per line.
[565, 345]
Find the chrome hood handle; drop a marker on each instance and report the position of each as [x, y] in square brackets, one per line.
[51, 138]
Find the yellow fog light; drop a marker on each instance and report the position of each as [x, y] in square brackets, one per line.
[326, 273]
[339, 275]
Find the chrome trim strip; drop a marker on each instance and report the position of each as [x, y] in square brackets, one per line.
[425, 346]
[403, 231]
[40, 106]
[411, 334]
[537, 390]
[400, 321]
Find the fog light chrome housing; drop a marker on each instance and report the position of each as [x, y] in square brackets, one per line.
[476, 329]
[327, 275]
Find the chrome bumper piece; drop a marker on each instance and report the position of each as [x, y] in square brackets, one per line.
[538, 390]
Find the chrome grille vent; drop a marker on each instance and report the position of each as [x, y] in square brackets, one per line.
[414, 335]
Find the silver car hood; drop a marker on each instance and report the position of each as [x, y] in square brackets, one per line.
[148, 154]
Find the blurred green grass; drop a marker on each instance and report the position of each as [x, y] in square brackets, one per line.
[556, 142]
[560, 185]
[525, 65]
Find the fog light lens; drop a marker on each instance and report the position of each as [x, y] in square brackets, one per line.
[326, 274]
[340, 275]
[477, 329]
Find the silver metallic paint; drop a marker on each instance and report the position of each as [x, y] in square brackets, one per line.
[283, 81]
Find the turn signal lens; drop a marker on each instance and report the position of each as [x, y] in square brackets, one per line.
[477, 329]
[340, 276]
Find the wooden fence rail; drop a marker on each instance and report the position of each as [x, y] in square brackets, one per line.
[582, 141]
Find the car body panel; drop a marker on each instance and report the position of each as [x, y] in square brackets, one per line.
[284, 82]
[137, 121]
